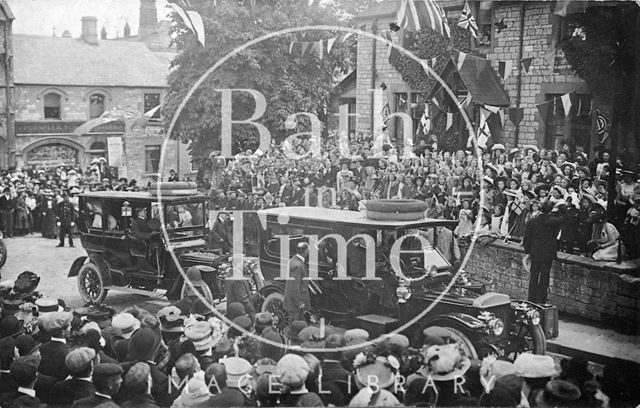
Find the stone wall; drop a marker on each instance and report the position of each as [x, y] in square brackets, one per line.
[542, 78]
[599, 291]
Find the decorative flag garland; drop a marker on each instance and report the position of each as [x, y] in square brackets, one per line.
[467, 21]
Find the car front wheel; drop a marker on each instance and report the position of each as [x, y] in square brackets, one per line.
[274, 305]
[3, 252]
[90, 283]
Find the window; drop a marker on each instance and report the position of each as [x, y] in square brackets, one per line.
[351, 117]
[151, 158]
[152, 100]
[575, 125]
[483, 17]
[96, 105]
[568, 24]
[52, 106]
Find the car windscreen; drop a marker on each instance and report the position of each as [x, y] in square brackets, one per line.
[184, 215]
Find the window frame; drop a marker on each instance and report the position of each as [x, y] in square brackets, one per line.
[157, 117]
[104, 104]
[148, 149]
[44, 105]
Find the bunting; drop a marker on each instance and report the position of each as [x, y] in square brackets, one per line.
[449, 120]
[461, 58]
[602, 122]
[566, 103]
[192, 20]
[526, 64]
[320, 48]
[467, 21]
[516, 115]
[425, 120]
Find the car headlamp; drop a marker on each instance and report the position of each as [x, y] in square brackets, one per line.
[534, 316]
[432, 271]
[403, 292]
[497, 326]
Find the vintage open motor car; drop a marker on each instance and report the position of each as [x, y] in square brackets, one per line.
[119, 260]
[344, 294]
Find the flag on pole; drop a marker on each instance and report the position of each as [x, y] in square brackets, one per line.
[386, 111]
[467, 21]
[415, 15]
[561, 8]
[449, 120]
[107, 117]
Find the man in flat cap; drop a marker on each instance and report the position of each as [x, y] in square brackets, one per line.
[24, 371]
[107, 378]
[80, 364]
[138, 382]
[54, 352]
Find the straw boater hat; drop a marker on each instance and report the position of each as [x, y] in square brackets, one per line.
[445, 362]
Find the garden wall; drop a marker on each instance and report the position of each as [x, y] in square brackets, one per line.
[599, 291]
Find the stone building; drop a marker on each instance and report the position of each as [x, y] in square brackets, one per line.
[6, 82]
[84, 77]
[531, 30]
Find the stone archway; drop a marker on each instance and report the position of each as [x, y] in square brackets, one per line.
[53, 151]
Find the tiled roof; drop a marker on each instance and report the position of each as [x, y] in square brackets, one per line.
[71, 61]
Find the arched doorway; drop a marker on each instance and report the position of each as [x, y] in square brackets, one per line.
[51, 152]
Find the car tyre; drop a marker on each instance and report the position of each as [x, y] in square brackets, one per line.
[91, 283]
[274, 305]
[3, 253]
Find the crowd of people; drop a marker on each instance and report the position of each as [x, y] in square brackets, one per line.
[513, 183]
[187, 356]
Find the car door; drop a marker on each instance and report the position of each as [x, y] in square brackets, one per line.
[115, 237]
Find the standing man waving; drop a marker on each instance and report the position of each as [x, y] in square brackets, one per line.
[540, 244]
[296, 290]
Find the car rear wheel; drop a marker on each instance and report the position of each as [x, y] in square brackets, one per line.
[455, 334]
[274, 305]
[90, 283]
[3, 253]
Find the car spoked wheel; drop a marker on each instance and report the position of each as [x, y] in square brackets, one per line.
[91, 284]
[3, 252]
[274, 305]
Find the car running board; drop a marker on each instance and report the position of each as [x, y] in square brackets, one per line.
[159, 293]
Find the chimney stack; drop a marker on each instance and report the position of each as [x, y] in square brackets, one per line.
[90, 30]
[148, 18]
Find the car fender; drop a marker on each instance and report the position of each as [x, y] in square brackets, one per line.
[273, 287]
[75, 267]
[470, 322]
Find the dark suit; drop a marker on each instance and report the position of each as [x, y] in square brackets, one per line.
[240, 291]
[159, 387]
[335, 379]
[53, 355]
[66, 392]
[140, 401]
[296, 290]
[7, 207]
[94, 401]
[65, 215]
[540, 243]
[18, 399]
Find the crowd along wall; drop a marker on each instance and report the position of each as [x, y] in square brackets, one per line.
[599, 291]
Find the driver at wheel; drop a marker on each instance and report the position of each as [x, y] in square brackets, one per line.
[140, 226]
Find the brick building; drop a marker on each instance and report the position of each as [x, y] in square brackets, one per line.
[532, 30]
[61, 82]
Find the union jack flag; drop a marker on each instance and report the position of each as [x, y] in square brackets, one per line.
[416, 15]
[467, 21]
